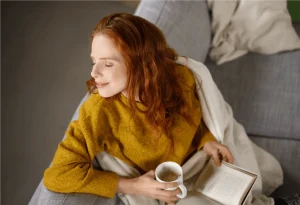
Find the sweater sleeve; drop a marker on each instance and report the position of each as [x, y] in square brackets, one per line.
[206, 135]
[71, 169]
[203, 134]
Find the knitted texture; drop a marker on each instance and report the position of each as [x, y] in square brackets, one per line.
[109, 125]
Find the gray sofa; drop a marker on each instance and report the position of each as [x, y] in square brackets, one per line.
[264, 91]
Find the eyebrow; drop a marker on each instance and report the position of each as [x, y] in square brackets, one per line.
[113, 58]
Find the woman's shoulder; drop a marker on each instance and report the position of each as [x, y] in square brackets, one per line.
[94, 102]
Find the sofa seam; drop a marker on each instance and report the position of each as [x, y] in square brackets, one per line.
[160, 13]
[268, 137]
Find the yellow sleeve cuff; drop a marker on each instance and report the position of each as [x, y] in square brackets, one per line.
[103, 184]
[90, 181]
[206, 137]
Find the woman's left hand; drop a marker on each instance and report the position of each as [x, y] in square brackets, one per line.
[218, 152]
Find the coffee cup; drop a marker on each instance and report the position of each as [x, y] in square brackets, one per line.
[168, 172]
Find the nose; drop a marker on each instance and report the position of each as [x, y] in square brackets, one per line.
[95, 72]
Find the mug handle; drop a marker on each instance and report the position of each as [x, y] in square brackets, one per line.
[183, 191]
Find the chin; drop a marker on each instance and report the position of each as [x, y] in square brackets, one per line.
[106, 94]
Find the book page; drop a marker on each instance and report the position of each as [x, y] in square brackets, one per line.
[223, 184]
[195, 198]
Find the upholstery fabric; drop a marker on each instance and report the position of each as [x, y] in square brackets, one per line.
[43, 196]
[263, 92]
[175, 19]
[288, 153]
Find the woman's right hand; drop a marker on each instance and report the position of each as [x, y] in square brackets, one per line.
[146, 185]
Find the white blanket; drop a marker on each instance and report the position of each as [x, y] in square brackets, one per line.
[218, 116]
[240, 26]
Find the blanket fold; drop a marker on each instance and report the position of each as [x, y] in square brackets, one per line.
[246, 26]
[218, 116]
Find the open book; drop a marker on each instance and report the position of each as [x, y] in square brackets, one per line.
[227, 184]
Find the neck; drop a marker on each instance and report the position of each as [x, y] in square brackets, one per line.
[126, 95]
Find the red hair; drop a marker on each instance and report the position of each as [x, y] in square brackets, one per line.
[150, 64]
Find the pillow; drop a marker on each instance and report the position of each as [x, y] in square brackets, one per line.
[185, 24]
[258, 26]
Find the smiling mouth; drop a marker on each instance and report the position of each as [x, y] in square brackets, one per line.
[101, 85]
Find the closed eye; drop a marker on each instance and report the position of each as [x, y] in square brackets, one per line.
[108, 65]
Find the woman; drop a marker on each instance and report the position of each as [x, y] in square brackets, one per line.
[143, 109]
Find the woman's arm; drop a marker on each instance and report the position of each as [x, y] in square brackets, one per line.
[71, 169]
[213, 148]
[204, 134]
[125, 185]
[147, 186]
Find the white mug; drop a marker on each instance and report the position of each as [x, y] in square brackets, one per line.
[176, 169]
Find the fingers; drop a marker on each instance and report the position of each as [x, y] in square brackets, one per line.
[216, 157]
[160, 185]
[225, 153]
[146, 185]
[168, 196]
[230, 157]
[220, 152]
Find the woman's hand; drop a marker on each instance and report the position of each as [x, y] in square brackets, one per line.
[146, 185]
[218, 152]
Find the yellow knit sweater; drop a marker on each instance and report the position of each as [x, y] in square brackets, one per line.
[108, 125]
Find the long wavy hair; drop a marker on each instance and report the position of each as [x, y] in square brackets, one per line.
[150, 64]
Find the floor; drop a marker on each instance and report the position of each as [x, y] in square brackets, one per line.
[45, 63]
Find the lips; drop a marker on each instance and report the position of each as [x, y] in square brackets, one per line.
[100, 85]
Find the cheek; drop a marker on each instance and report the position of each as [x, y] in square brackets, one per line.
[120, 82]
[121, 76]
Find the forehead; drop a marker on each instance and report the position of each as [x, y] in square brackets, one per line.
[104, 48]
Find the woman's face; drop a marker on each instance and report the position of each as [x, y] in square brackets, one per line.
[109, 70]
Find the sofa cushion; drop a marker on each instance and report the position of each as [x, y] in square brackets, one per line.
[43, 196]
[287, 152]
[185, 24]
[264, 92]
